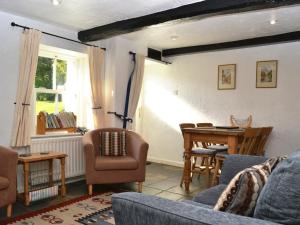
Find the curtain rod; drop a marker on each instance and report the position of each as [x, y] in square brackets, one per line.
[13, 24]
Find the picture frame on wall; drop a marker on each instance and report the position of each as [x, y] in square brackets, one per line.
[226, 77]
[266, 74]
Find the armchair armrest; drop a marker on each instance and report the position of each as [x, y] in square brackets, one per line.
[140, 209]
[8, 163]
[89, 151]
[236, 163]
[137, 147]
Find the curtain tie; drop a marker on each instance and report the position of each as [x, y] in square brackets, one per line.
[23, 104]
[95, 108]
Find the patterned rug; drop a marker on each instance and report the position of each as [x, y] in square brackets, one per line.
[89, 210]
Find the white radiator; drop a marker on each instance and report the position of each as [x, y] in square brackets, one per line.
[70, 145]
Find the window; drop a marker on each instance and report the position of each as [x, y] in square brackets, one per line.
[50, 81]
[62, 83]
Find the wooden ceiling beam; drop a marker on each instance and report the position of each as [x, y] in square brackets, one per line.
[252, 42]
[184, 13]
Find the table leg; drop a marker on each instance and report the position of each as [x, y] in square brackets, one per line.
[232, 144]
[187, 161]
[50, 161]
[63, 182]
[26, 183]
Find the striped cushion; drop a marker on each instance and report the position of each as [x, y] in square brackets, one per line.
[242, 192]
[113, 143]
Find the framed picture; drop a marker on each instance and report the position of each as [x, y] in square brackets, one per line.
[266, 74]
[226, 77]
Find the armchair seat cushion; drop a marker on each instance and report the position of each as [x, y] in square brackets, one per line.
[4, 182]
[116, 163]
[210, 196]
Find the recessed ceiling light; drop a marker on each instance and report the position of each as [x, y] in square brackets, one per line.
[56, 2]
[273, 22]
[174, 37]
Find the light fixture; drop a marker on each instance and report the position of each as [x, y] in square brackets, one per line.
[174, 37]
[273, 22]
[56, 2]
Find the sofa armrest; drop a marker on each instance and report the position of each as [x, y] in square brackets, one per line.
[236, 163]
[140, 209]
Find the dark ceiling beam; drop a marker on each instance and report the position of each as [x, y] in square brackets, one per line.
[252, 42]
[184, 13]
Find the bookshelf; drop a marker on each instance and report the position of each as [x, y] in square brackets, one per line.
[41, 127]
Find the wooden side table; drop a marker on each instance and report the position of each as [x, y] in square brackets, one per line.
[37, 157]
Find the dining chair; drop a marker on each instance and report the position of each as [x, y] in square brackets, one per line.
[248, 147]
[241, 123]
[213, 146]
[206, 156]
[262, 139]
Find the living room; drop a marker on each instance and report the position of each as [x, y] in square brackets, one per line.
[178, 55]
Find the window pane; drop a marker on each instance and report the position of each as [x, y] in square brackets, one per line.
[43, 77]
[60, 106]
[45, 102]
[61, 74]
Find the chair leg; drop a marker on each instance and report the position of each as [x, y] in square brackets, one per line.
[193, 167]
[206, 164]
[9, 210]
[140, 187]
[217, 168]
[90, 189]
[182, 178]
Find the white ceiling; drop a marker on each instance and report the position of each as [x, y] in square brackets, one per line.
[220, 28]
[84, 14]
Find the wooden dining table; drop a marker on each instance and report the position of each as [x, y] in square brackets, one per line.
[231, 137]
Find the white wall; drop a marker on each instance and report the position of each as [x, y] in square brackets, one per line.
[194, 79]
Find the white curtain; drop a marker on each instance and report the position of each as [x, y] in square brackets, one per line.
[96, 65]
[77, 97]
[22, 124]
[136, 85]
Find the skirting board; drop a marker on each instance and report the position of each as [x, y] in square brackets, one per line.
[165, 161]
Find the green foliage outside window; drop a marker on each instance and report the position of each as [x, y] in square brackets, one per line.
[44, 79]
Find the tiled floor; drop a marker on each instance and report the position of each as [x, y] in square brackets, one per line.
[161, 180]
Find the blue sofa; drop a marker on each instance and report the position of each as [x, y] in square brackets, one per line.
[139, 209]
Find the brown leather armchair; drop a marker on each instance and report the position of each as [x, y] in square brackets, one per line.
[8, 178]
[115, 169]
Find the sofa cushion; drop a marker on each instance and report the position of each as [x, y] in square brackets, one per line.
[241, 194]
[280, 199]
[113, 143]
[4, 182]
[210, 196]
[115, 163]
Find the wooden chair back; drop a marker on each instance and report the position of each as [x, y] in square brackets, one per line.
[262, 139]
[187, 125]
[249, 144]
[241, 123]
[204, 125]
[205, 144]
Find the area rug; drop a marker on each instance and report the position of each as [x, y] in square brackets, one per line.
[83, 210]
